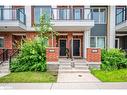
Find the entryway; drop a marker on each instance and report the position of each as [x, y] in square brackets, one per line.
[70, 47]
[63, 47]
[76, 48]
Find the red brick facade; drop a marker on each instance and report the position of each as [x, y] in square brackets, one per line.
[52, 54]
[93, 55]
[7, 40]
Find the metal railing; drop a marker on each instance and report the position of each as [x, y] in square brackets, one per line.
[71, 14]
[8, 54]
[12, 14]
[121, 16]
[4, 56]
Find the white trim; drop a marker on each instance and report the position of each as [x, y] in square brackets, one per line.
[63, 34]
[121, 34]
[77, 34]
[19, 34]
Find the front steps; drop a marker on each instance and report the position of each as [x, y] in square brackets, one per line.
[68, 67]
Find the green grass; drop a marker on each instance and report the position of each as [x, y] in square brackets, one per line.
[29, 77]
[112, 76]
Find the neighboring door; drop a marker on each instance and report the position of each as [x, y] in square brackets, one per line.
[76, 47]
[117, 43]
[63, 47]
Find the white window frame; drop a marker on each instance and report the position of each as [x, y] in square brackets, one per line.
[97, 41]
[99, 8]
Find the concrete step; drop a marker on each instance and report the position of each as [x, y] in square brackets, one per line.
[76, 67]
[73, 70]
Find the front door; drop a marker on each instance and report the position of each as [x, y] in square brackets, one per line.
[63, 47]
[76, 47]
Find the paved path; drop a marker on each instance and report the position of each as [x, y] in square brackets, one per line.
[52, 86]
[76, 77]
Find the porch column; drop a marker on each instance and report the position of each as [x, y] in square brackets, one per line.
[86, 42]
[111, 27]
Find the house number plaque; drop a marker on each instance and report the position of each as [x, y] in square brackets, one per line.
[94, 50]
[51, 50]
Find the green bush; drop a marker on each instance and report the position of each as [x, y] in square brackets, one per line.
[32, 56]
[113, 59]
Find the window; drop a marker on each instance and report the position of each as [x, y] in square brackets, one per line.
[95, 15]
[20, 14]
[97, 41]
[120, 14]
[1, 12]
[1, 42]
[99, 15]
[39, 11]
[63, 13]
[92, 42]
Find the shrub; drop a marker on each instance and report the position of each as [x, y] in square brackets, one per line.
[32, 56]
[113, 59]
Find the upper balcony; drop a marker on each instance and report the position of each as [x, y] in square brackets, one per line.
[12, 19]
[76, 19]
[121, 19]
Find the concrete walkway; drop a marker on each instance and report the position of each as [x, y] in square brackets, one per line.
[53, 86]
[76, 77]
[79, 73]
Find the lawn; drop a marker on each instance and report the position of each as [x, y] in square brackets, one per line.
[29, 77]
[112, 76]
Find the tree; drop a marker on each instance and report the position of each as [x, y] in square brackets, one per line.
[45, 28]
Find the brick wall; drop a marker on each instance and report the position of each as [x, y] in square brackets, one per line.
[52, 54]
[7, 40]
[93, 55]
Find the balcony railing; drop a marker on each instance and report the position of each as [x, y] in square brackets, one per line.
[12, 14]
[71, 14]
[121, 16]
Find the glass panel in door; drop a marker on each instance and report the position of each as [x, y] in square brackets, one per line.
[62, 47]
[76, 47]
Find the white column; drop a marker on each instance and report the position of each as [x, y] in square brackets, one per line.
[28, 16]
[111, 27]
[86, 42]
[87, 12]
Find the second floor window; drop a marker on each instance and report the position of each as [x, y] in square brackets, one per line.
[63, 13]
[120, 14]
[73, 13]
[39, 11]
[78, 13]
[99, 15]
[1, 12]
